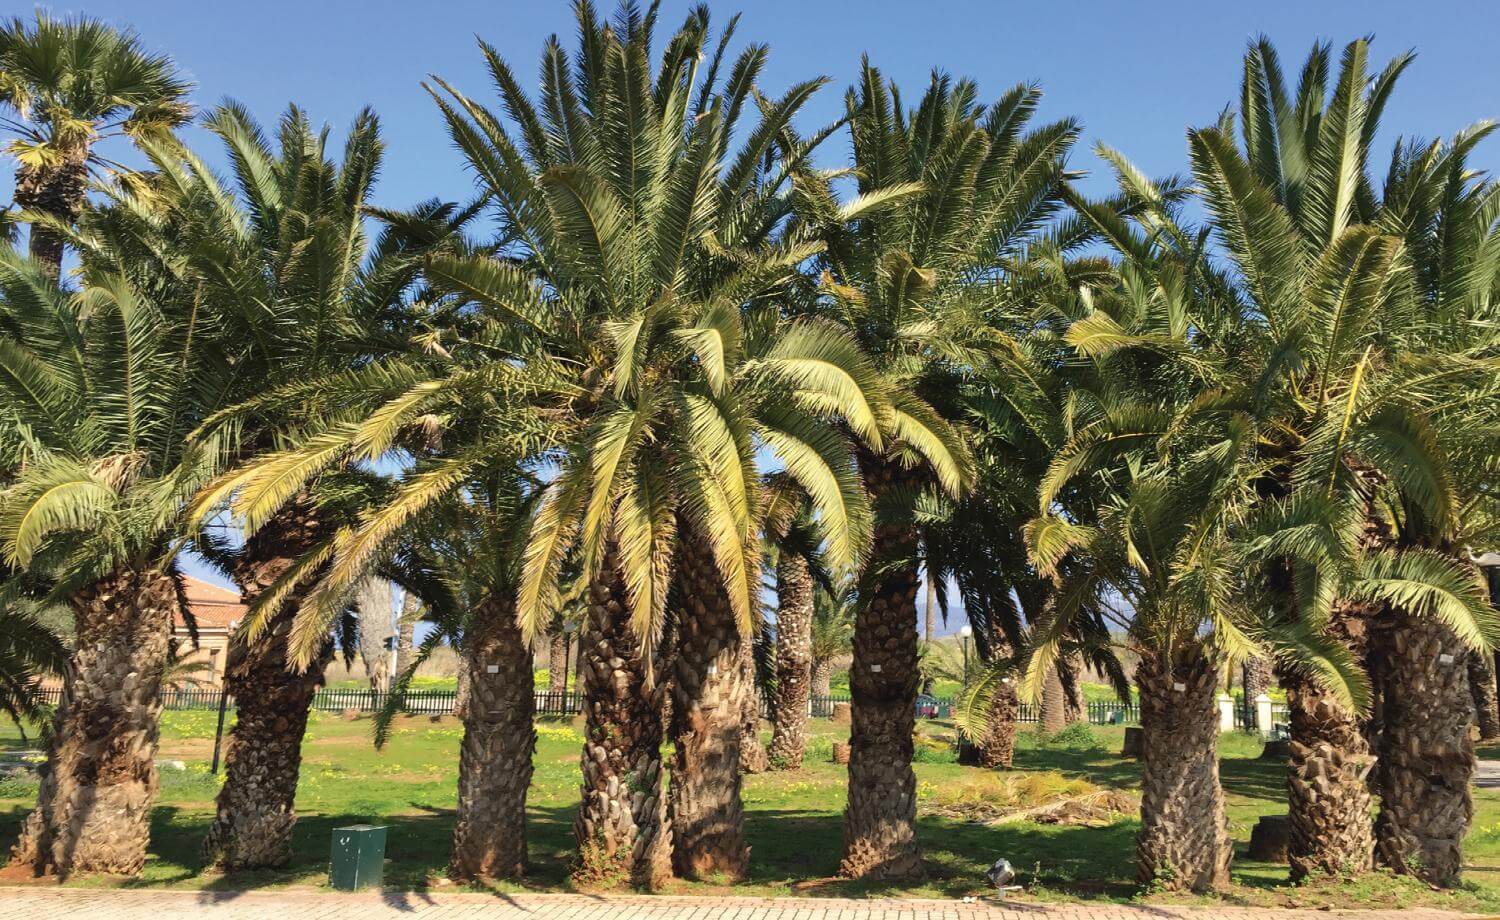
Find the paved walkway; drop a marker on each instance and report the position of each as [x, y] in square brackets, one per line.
[81, 904]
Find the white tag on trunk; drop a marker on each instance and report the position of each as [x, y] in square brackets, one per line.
[492, 669]
[1445, 658]
[1180, 688]
[874, 669]
[712, 669]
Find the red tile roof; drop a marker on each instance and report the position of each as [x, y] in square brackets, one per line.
[213, 607]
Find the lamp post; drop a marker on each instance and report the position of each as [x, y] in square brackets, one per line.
[964, 633]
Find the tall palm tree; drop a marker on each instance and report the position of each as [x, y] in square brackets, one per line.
[1304, 342]
[70, 83]
[1442, 395]
[630, 299]
[917, 283]
[794, 540]
[104, 384]
[283, 258]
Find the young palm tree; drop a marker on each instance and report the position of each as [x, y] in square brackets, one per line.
[106, 383]
[71, 83]
[916, 283]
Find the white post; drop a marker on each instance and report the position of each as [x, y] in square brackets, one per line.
[1263, 715]
[395, 641]
[1226, 713]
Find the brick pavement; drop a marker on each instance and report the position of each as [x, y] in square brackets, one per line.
[46, 903]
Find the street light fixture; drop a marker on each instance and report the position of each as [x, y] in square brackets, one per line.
[964, 632]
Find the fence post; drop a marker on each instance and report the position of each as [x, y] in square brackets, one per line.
[1263, 715]
[1226, 713]
[219, 732]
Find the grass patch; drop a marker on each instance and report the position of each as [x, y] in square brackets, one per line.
[793, 819]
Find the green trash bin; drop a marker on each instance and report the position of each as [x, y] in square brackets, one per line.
[357, 857]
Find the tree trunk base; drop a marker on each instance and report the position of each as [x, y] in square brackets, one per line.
[1427, 756]
[93, 812]
[495, 759]
[1184, 839]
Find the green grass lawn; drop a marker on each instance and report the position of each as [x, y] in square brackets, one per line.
[793, 819]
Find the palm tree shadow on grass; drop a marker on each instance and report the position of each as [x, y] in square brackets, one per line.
[793, 849]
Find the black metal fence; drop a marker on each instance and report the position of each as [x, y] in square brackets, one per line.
[441, 702]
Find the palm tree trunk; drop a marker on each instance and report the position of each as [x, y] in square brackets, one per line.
[1184, 838]
[1328, 793]
[794, 612]
[1481, 667]
[494, 766]
[622, 828]
[256, 807]
[998, 749]
[1426, 754]
[753, 756]
[1258, 678]
[57, 189]
[1054, 703]
[93, 812]
[822, 679]
[708, 714]
[880, 819]
[1070, 672]
[557, 661]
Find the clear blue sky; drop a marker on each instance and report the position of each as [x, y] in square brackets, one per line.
[1137, 74]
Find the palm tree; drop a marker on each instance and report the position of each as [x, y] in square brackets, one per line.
[1439, 207]
[916, 283]
[1163, 543]
[71, 83]
[285, 263]
[831, 636]
[1306, 343]
[658, 255]
[106, 383]
[29, 650]
[794, 541]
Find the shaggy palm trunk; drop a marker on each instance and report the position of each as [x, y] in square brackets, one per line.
[461, 692]
[1329, 829]
[1184, 838]
[1258, 678]
[880, 832]
[822, 680]
[1426, 754]
[753, 756]
[557, 662]
[1481, 667]
[794, 612]
[256, 807]
[57, 189]
[1054, 703]
[1070, 672]
[494, 765]
[93, 812]
[622, 828]
[708, 716]
[997, 750]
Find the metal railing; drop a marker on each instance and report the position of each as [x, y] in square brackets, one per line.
[549, 703]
